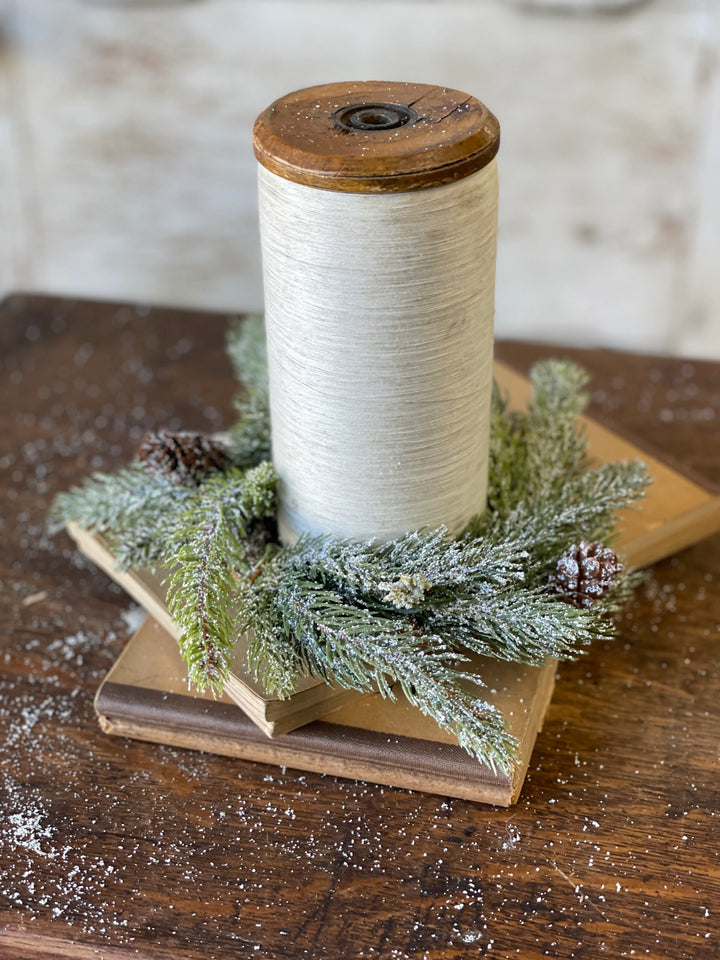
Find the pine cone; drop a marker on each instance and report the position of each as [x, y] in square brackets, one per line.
[186, 458]
[585, 572]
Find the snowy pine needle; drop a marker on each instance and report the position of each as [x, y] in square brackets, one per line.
[130, 508]
[250, 435]
[353, 646]
[206, 549]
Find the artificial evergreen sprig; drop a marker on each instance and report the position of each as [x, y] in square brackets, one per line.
[207, 548]
[542, 490]
[131, 508]
[475, 594]
[314, 628]
[534, 453]
[206, 536]
[466, 595]
[250, 435]
[585, 507]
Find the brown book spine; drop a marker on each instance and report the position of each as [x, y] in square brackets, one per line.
[321, 747]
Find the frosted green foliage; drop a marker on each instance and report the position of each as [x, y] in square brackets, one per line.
[362, 569]
[398, 615]
[340, 609]
[558, 399]
[250, 436]
[313, 629]
[246, 349]
[540, 488]
[474, 594]
[523, 625]
[584, 508]
[207, 536]
[533, 454]
[131, 509]
[207, 549]
[359, 577]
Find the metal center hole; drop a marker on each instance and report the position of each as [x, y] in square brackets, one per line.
[374, 116]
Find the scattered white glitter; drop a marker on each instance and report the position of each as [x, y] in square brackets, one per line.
[134, 618]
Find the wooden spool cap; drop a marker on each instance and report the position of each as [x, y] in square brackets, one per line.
[376, 137]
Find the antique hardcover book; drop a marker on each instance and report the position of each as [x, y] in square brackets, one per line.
[146, 696]
[146, 693]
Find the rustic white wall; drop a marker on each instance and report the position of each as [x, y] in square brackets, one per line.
[126, 165]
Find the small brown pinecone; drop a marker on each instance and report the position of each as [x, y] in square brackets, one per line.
[585, 572]
[186, 458]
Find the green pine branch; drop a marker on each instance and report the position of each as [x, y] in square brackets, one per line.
[469, 593]
[207, 549]
[540, 486]
[208, 536]
[537, 452]
[522, 625]
[131, 509]
[367, 570]
[586, 507]
[327, 637]
[250, 435]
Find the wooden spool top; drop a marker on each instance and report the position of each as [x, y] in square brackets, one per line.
[376, 137]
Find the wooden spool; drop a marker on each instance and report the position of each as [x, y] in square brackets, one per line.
[394, 140]
[376, 137]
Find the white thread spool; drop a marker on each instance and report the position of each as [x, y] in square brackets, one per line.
[378, 207]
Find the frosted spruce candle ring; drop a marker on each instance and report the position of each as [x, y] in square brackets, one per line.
[378, 216]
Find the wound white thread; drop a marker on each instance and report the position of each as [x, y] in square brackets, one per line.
[379, 314]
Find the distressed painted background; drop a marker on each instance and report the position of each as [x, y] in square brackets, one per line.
[126, 166]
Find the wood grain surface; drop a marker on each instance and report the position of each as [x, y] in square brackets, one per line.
[121, 849]
[308, 136]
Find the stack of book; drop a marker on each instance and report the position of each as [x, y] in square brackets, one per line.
[320, 728]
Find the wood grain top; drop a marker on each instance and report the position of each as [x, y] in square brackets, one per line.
[134, 851]
[373, 137]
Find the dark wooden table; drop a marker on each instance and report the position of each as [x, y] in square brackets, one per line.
[119, 849]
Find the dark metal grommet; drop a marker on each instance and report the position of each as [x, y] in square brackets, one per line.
[374, 116]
